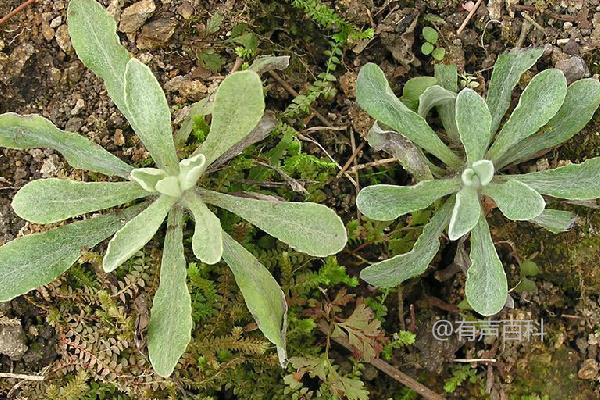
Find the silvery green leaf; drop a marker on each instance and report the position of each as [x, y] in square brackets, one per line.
[516, 200]
[414, 88]
[136, 233]
[25, 132]
[170, 326]
[239, 105]
[388, 202]
[265, 126]
[190, 170]
[392, 272]
[484, 170]
[540, 101]
[473, 121]
[375, 96]
[506, 74]
[264, 298]
[46, 201]
[207, 242]
[556, 221]
[571, 182]
[264, 64]
[465, 214]
[94, 37]
[581, 102]
[147, 178]
[486, 287]
[149, 114]
[446, 76]
[169, 186]
[202, 108]
[434, 96]
[35, 260]
[307, 227]
[397, 145]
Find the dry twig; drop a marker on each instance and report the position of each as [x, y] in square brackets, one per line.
[16, 11]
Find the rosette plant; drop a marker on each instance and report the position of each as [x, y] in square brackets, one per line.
[475, 150]
[169, 190]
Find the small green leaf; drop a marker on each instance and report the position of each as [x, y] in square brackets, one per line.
[517, 201]
[136, 233]
[572, 182]
[473, 121]
[465, 214]
[375, 96]
[430, 34]
[427, 48]
[506, 74]
[190, 171]
[438, 54]
[94, 37]
[149, 114]
[147, 178]
[556, 221]
[388, 202]
[197, 110]
[484, 170]
[207, 242]
[394, 271]
[581, 102]
[46, 201]
[414, 88]
[486, 287]
[214, 23]
[529, 268]
[31, 131]
[211, 61]
[170, 326]
[540, 101]
[234, 115]
[35, 260]
[262, 293]
[307, 227]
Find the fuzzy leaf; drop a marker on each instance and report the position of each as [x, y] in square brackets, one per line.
[147, 178]
[397, 145]
[447, 76]
[506, 74]
[465, 214]
[31, 131]
[45, 201]
[434, 96]
[136, 233]
[262, 293]
[392, 272]
[239, 105]
[207, 242]
[375, 96]
[581, 102]
[307, 227]
[149, 114]
[484, 170]
[540, 101]
[388, 202]
[94, 37]
[200, 109]
[572, 182]
[486, 287]
[516, 200]
[556, 221]
[473, 121]
[170, 326]
[263, 64]
[35, 260]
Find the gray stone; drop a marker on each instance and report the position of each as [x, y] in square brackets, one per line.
[156, 33]
[12, 339]
[574, 68]
[134, 16]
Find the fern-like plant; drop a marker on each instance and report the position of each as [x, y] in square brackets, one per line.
[548, 113]
[171, 188]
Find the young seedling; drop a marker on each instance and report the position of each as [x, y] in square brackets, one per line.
[548, 114]
[429, 47]
[170, 189]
